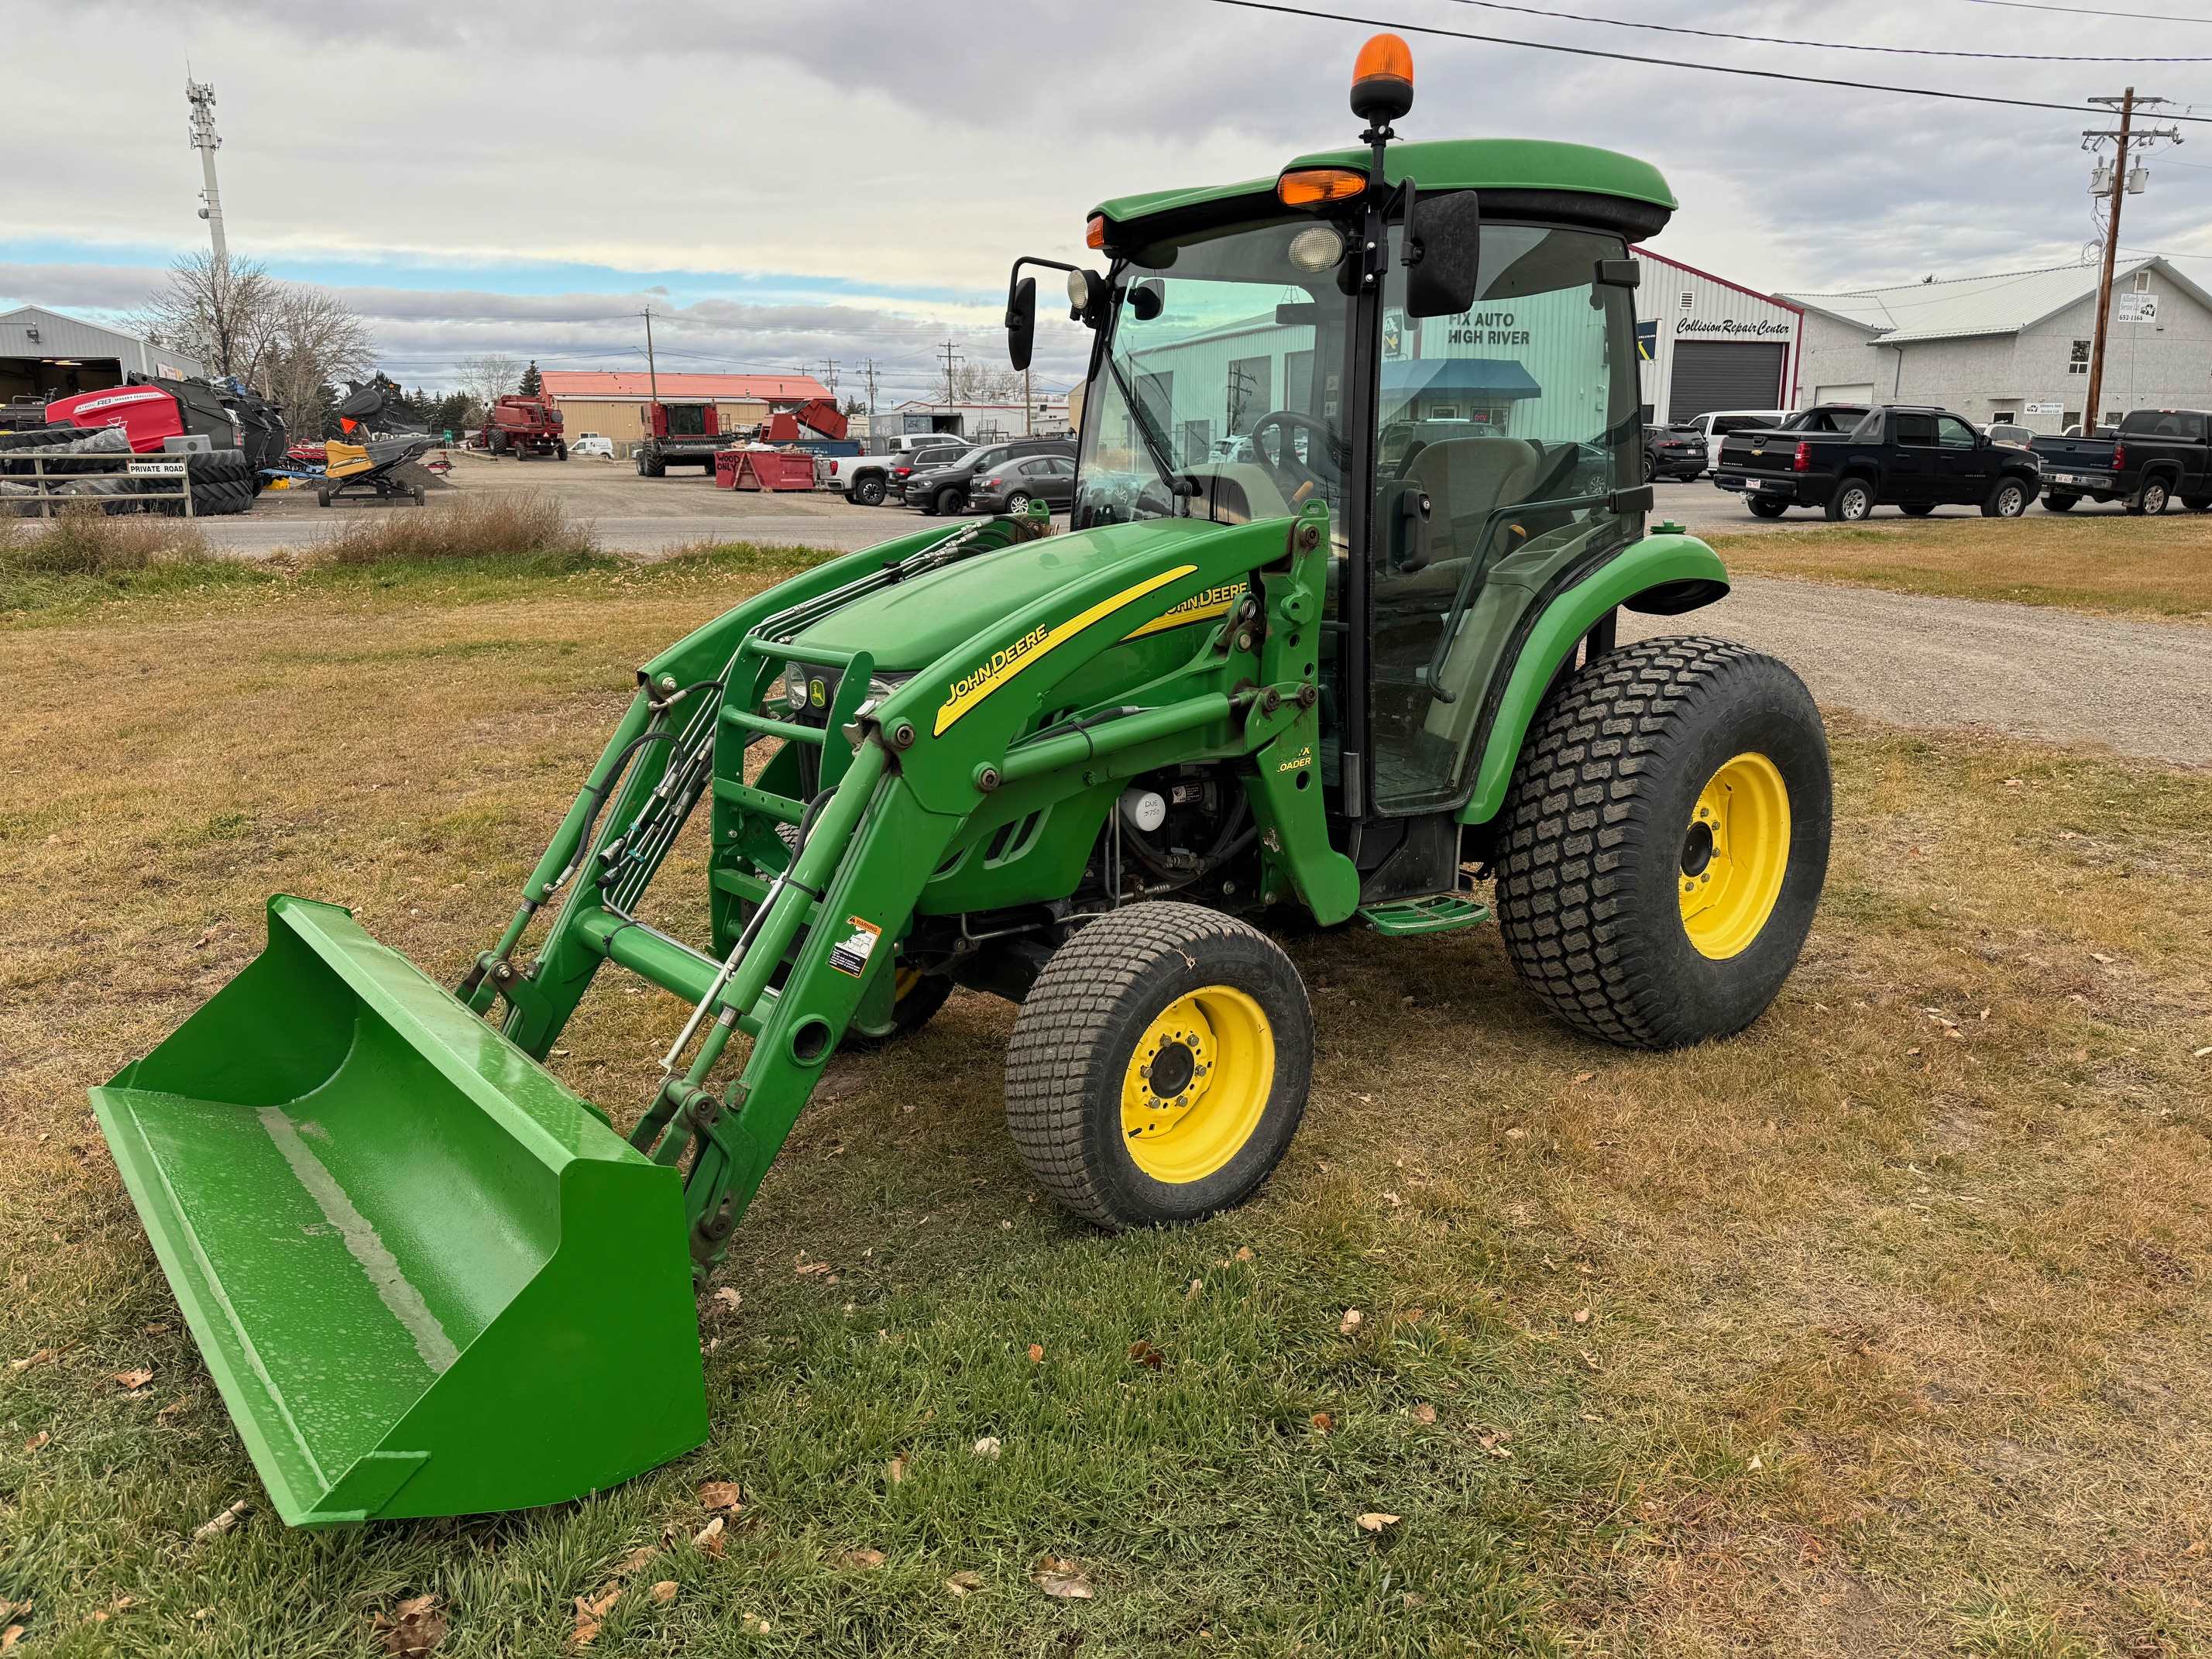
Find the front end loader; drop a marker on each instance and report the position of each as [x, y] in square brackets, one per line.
[1330, 637]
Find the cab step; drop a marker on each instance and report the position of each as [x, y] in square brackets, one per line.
[1433, 912]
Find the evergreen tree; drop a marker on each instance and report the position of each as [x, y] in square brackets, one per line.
[530, 381]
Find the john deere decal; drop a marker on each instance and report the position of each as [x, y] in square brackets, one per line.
[1009, 660]
[1198, 608]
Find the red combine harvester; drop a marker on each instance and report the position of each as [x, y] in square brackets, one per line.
[682, 434]
[521, 425]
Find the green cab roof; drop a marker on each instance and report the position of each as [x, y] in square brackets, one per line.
[1517, 164]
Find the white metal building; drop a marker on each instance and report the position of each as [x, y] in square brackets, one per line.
[2013, 346]
[45, 354]
[1705, 342]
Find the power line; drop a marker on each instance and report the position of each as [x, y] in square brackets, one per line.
[1666, 62]
[1822, 45]
[2089, 11]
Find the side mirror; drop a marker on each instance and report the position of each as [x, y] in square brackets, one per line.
[1021, 322]
[1443, 248]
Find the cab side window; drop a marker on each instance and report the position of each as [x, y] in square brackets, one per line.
[1951, 432]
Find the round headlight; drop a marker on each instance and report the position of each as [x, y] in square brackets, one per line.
[795, 685]
[1317, 247]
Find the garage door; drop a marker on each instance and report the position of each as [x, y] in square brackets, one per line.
[1712, 374]
[1862, 393]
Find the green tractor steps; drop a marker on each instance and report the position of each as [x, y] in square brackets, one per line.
[1331, 637]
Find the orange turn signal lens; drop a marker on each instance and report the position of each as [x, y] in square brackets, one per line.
[1385, 55]
[1094, 233]
[1316, 186]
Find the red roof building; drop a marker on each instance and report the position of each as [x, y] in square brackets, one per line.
[626, 384]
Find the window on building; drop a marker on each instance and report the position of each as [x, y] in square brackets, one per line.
[2142, 282]
[2077, 362]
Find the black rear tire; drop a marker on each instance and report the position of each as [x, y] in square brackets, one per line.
[1609, 849]
[2149, 500]
[1154, 992]
[1018, 503]
[869, 491]
[1918, 509]
[1853, 502]
[2059, 502]
[1763, 508]
[2196, 503]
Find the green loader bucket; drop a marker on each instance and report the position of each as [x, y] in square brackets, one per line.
[427, 1279]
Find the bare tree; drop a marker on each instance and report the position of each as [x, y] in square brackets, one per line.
[309, 339]
[972, 383]
[212, 309]
[489, 377]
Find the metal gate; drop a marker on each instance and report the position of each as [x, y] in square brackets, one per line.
[1709, 374]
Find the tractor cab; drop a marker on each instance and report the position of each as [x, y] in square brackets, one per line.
[1435, 340]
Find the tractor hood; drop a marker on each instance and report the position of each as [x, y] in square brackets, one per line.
[908, 626]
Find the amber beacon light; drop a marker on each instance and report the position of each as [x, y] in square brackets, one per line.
[1382, 80]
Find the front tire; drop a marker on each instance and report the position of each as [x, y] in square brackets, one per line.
[1853, 502]
[1762, 507]
[2196, 503]
[948, 502]
[2008, 499]
[1918, 509]
[1147, 999]
[1666, 842]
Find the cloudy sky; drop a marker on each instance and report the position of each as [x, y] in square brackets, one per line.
[790, 183]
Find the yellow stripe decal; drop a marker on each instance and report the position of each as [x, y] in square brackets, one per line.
[1198, 608]
[972, 689]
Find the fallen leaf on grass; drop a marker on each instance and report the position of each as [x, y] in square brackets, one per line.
[37, 1441]
[1036, 1353]
[133, 1381]
[121, 1603]
[1196, 1286]
[1495, 1443]
[1423, 1412]
[591, 1611]
[1244, 1253]
[1147, 1355]
[1582, 1316]
[1349, 1322]
[722, 1495]
[728, 1297]
[961, 1583]
[664, 1592]
[894, 1470]
[988, 1447]
[709, 1537]
[172, 1408]
[864, 1557]
[1584, 1077]
[9, 1637]
[1065, 1580]
[1323, 1421]
[413, 1627]
[1377, 1519]
[812, 1268]
[222, 1523]
[753, 1622]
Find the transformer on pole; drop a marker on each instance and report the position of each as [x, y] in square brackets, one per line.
[201, 96]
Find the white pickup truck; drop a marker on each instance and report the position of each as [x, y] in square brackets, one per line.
[865, 479]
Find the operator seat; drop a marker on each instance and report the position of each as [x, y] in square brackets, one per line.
[1466, 479]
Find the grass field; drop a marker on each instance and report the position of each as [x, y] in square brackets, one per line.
[2158, 567]
[1882, 1329]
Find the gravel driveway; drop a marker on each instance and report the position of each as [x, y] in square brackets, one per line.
[2143, 689]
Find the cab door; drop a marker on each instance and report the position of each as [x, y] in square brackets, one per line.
[1965, 465]
[1912, 463]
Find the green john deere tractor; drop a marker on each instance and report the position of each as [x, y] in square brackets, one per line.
[1359, 502]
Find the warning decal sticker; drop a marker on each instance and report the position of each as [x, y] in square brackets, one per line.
[850, 956]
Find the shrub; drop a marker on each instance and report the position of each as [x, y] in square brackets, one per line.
[531, 527]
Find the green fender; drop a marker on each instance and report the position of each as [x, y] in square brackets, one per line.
[1670, 571]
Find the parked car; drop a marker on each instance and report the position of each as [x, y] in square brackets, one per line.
[904, 468]
[592, 446]
[1013, 484]
[1903, 455]
[864, 479]
[2009, 434]
[2155, 455]
[906, 443]
[944, 488]
[1673, 452]
[1715, 424]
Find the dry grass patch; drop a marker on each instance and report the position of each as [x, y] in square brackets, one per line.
[486, 528]
[2141, 567]
[1879, 1330]
[84, 540]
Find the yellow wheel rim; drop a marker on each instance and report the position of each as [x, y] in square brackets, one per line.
[1197, 1085]
[1735, 851]
[902, 980]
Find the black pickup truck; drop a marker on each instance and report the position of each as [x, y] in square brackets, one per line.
[1896, 454]
[2156, 455]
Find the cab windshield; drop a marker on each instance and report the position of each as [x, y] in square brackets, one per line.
[1218, 391]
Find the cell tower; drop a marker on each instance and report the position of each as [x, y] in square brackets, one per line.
[201, 96]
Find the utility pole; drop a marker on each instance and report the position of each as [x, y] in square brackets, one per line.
[868, 380]
[1028, 422]
[651, 374]
[201, 96]
[830, 377]
[2127, 103]
[948, 387]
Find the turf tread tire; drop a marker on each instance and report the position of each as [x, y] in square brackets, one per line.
[1580, 816]
[1079, 1025]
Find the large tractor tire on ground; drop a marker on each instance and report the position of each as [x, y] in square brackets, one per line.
[1665, 839]
[1160, 1067]
[222, 482]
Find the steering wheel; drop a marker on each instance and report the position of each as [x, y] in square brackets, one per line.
[1326, 469]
